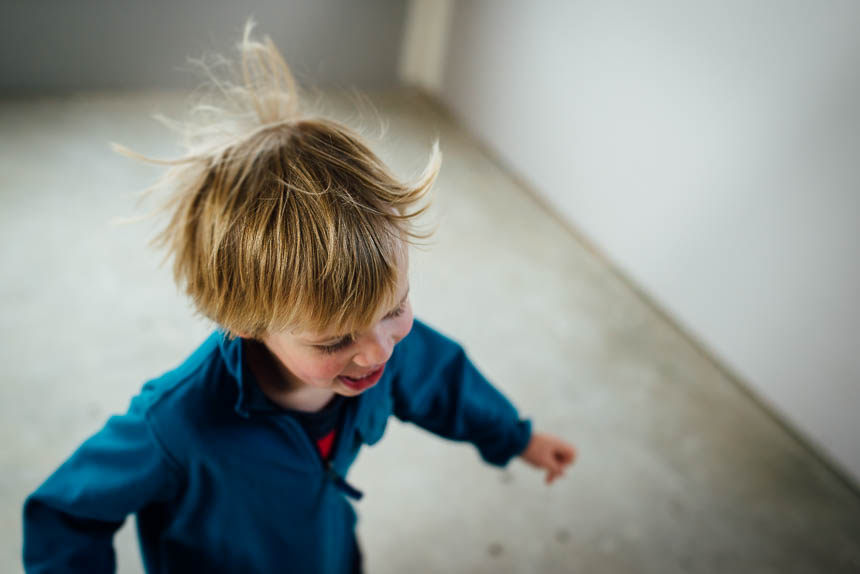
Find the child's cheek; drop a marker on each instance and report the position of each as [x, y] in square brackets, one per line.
[404, 324]
[329, 368]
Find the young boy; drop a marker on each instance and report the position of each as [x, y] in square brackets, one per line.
[292, 236]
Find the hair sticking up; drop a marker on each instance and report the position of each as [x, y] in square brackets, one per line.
[277, 219]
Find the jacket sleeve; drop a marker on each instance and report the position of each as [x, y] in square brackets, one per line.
[438, 388]
[70, 520]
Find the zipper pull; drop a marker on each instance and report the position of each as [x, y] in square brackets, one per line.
[341, 483]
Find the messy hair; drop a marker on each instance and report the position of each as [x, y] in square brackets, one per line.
[278, 219]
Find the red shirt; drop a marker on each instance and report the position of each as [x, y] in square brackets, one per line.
[326, 443]
[322, 426]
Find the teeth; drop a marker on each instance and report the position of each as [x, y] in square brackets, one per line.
[359, 379]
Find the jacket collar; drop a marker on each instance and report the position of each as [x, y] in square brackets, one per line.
[249, 396]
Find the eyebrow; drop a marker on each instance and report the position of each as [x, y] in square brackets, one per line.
[337, 338]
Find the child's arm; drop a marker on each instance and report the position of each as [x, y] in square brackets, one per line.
[70, 520]
[438, 388]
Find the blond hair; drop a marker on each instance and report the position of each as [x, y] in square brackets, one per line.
[279, 220]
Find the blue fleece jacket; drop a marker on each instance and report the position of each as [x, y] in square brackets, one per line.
[223, 481]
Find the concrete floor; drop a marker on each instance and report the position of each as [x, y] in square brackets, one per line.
[680, 471]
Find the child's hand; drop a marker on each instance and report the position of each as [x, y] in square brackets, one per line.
[549, 452]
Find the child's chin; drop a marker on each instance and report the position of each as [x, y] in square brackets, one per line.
[346, 389]
[347, 392]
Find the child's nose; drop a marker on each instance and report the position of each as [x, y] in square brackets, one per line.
[376, 348]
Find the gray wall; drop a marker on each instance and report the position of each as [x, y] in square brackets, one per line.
[712, 151]
[65, 45]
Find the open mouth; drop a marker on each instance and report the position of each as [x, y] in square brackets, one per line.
[364, 382]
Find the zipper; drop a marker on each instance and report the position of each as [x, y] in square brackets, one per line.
[339, 444]
[326, 465]
[339, 481]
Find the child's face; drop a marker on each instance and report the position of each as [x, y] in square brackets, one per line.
[322, 359]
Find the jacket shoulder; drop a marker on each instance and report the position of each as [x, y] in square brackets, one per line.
[159, 389]
[424, 344]
[183, 392]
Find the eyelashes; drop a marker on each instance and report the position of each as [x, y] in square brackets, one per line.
[349, 339]
[397, 312]
[339, 345]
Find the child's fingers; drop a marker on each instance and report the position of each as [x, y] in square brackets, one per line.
[556, 466]
[565, 455]
[552, 475]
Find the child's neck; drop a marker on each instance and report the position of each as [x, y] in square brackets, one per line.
[278, 386]
[309, 399]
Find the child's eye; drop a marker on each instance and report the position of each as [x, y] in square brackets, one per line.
[397, 312]
[348, 340]
[335, 347]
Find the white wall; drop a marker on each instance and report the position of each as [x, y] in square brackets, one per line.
[425, 41]
[61, 45]
[712, 151]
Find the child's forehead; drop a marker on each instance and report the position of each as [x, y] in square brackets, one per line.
[311, 335]
[314, 328]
